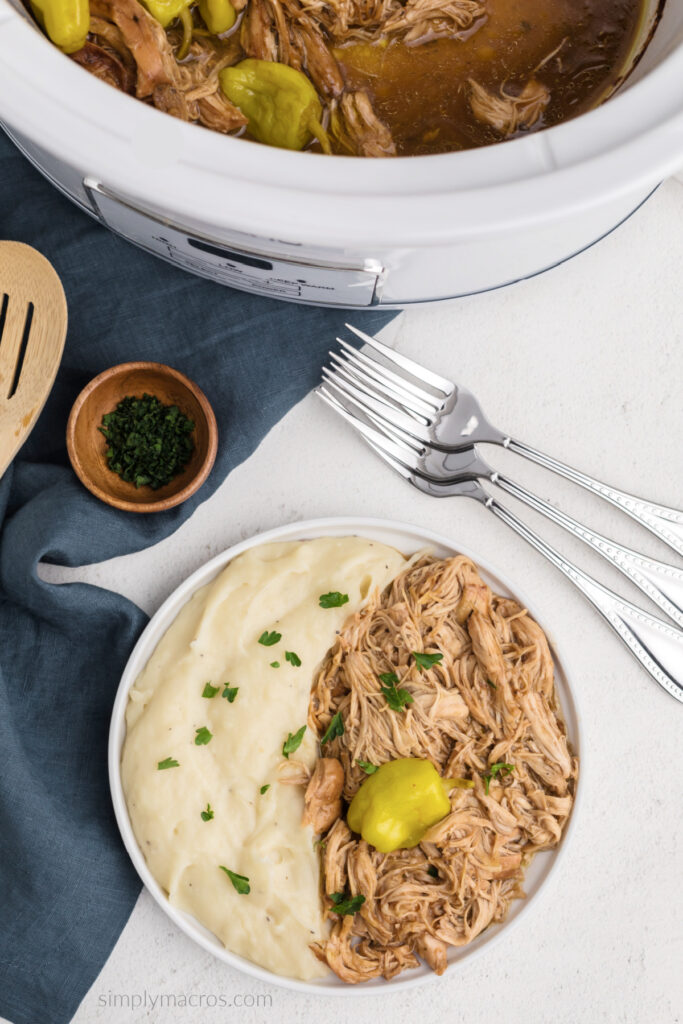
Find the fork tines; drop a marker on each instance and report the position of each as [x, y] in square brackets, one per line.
[373, 393]
[421, 373]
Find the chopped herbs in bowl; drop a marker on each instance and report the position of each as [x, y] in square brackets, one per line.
[149, 443]
[142, 437]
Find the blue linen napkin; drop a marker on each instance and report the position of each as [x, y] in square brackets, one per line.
[66, 884]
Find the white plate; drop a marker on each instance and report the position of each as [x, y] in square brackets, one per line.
[407, 539]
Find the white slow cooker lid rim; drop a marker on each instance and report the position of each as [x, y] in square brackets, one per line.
[668, 68]
[205, 147]
[622, 103]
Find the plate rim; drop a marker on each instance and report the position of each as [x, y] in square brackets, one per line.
[302, 530]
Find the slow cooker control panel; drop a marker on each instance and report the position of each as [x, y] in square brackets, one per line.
[253, 270]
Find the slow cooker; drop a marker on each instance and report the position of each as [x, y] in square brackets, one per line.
[344, 231]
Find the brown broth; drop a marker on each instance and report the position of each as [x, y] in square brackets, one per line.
[420, 92]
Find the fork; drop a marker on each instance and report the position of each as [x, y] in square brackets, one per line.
[452, 419]
[657, 645]
[661, 582]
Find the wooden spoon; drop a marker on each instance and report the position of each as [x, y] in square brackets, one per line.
[33, 322]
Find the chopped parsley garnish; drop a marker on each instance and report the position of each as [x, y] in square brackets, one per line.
[168, 762]
[207, 815]
[293, 658]
[269, 639]
[240, 882]
[148, 443]
[275, 664]
[346, 904]
[293, 742]
[333, 600]
[397, 699]
[367, 767]
[334, 729]
[230, 692]
[264, 789]
[210, 691]
[388, 678]
[425, 661]
[499, 768]
[431, 870]
[492, 685]
[203, 736]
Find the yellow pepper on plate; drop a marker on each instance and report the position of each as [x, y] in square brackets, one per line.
[67, 22]
[396, 805]
[218, 15]
[281, 103]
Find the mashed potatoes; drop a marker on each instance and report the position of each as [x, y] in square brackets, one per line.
[228, 751]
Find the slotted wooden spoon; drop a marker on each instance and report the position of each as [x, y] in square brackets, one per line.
[33, 320]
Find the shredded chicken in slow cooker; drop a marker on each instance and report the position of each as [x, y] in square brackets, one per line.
[136, 54]
[506, 113]
[490, 701]
[388, 77]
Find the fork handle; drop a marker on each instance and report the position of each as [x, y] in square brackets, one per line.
[666, 523]
[662, 583]
[657, 645]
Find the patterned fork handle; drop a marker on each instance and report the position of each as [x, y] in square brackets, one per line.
[666, 523]
[657, 645]
[662, 583]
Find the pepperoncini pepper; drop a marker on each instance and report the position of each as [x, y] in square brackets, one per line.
[166, 11]
[396, 805]
[281, 104]
[218, 15]
[67, 22]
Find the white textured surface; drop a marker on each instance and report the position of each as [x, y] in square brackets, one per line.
[586, 362]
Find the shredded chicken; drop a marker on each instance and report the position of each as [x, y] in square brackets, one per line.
[321, 66]
[279, 31]
[258, 32]
[322, 802]
[413, 20]
[507, 113]
[109, 35]
[189, 91]
[357, 129]
[128, 48]
[293, 773]
[217, 112]
[103, 61]
[433, 951]
[489, 700]
[421, 20]
[146, 40]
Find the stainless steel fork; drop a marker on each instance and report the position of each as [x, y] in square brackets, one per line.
[449, 418]
[661, 582]
[657, 645]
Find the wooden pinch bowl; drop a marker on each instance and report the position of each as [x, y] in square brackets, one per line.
[87, 446]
